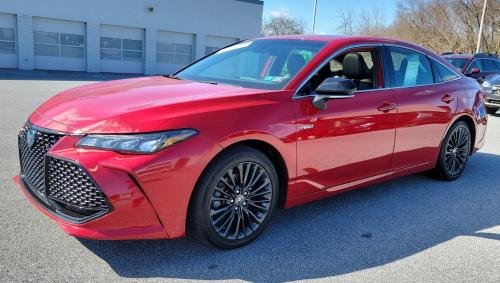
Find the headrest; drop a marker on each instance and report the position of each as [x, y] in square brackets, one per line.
[355, 67]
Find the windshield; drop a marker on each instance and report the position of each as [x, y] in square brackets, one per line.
[263, 63]
[459, 63]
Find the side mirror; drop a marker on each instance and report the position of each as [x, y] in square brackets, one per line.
[333, 88]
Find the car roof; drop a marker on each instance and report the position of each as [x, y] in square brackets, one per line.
[340, 40]
[463, 56]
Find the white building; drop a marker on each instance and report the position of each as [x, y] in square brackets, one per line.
[120, 36]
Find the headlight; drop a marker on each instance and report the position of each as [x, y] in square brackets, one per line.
[486, 85]
[139, 144]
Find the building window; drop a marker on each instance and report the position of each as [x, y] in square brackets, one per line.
[121, 49]
[59, 44]
[174, 53]
[210, 49]
[7, 41]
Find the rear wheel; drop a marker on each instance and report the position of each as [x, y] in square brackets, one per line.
[234, 200]
[454, 152]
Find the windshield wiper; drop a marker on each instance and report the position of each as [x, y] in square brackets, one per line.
[217, 83]
[173, 77]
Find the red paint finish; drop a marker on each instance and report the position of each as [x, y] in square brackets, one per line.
[374, 136]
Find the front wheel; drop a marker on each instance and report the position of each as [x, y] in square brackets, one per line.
[234, 199]
[454, 152]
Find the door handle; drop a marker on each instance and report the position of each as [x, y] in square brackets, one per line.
[387, 106]
[447, 98]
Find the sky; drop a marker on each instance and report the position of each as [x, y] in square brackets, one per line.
[327, 21]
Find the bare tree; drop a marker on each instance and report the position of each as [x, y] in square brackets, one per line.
[347, 18]
[372, 23]
[282, 24]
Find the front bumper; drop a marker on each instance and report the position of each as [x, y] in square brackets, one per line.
[148, 194]
[492, 97]
[116, 225]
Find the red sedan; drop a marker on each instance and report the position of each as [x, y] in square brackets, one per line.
[270, 123]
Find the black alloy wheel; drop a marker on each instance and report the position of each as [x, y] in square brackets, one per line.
[455, 152]
[241, 200]
[235, 198]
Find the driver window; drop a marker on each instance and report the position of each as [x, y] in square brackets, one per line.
[361, 66]
[475, 64]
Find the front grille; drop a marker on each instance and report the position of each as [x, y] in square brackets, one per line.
[63, 187]
[32, 156]
[71, 187]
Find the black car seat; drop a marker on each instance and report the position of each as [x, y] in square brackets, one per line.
[355, 68]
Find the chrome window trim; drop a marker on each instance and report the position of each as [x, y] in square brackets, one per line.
[459, 75]
[328, 59]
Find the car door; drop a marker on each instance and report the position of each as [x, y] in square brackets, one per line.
[426, 105]
[353, 138]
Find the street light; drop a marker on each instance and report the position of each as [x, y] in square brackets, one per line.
[314, 16]
[478, 47]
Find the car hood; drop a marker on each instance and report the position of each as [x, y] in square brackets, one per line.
[132, 105]
[493, 79]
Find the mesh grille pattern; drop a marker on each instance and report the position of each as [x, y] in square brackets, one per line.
[63, 187]
[72, 187]
[32, 158]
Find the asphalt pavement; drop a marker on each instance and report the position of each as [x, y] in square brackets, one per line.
[410, 229]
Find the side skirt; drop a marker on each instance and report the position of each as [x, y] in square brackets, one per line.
[358, 184]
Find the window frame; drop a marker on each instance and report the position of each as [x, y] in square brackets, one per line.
[174, 53]
[122, 49]
[391, 68]
[387, 70]
[10, 41]
[60, 45]
[378, 73]
[431, 61]
[434, 64]
[382, 55]
[468, 69]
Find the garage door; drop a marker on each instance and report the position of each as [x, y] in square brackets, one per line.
[59, 44]
[214, 43]
[8, 53]
[173, 51]
[122, 49]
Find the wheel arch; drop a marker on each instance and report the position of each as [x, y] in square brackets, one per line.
[470, 123]
[472, 127]
[266, 148]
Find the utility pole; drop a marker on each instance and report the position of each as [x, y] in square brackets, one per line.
[479, 36]
[314, 16]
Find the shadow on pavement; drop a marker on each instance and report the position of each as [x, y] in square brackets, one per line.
[354, 231]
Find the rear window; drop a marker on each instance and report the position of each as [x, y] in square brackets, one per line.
[444, 73]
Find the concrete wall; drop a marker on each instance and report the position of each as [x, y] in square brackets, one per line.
[227, 20]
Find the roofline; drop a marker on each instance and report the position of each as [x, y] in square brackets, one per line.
[257, 2]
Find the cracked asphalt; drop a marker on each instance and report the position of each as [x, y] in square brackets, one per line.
[410, 229]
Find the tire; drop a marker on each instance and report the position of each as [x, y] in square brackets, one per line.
[454, 153]
[491, 111]
[227, 211]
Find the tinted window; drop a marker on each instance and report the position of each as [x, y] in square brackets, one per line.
[263, 63]
[488, 65]
[459, 63]
[338, 67]
[497, 66]
[444, 73]
[475, 64]
[410, 68]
